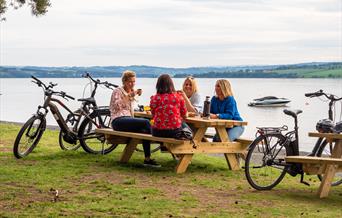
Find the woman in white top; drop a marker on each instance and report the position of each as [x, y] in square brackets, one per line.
[191, 95]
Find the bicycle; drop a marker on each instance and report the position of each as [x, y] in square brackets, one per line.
[265, 165]
[32, 131]
[88, 105]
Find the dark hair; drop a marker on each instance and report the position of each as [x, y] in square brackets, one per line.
[165, 84]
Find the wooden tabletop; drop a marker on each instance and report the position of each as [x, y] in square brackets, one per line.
[198, 121]
[326, 135]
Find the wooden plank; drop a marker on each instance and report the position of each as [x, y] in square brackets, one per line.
[111, 139]
[108, 131]
[199, 134]
[315, 169]
[325, 186]
[129, 149]
[326, 135]
[232, 161]
[209, 148]
[200, 122]
[183, 163]
[317, 160]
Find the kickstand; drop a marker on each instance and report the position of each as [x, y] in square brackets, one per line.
[302, 180]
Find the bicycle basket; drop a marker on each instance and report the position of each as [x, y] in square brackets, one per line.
[325, 126]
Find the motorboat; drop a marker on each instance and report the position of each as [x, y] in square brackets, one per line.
[269, 101]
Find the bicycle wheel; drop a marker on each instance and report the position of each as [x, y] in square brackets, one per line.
[64, 144]
[29, 136]
[92, 142]
[265, 163]
[67, 145]
[325, 150]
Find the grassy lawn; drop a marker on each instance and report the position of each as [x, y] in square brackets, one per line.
[97, 186]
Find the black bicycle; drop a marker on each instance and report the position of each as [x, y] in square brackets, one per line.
[32, 131]
[265, 165]
[88, 105]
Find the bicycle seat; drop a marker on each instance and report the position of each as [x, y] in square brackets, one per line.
[292, 113]
[90, 100]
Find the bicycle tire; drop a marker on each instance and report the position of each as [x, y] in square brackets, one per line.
[323, 151]
[92, 142]
[66, 145]
[265, 164]
[32, 132]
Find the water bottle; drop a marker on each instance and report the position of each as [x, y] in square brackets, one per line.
[206, 107]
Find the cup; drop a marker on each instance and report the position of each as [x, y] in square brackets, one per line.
[139, 91]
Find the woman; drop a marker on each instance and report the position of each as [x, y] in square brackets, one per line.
[223, 106]
[122, 114]
[190, 95]
[167, 108]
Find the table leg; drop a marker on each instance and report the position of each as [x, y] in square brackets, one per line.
[329, 172]
[129, 149]
[183, 163]
[199, 134]
[232, 159]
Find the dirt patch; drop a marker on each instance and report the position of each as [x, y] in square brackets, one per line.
[20, 196]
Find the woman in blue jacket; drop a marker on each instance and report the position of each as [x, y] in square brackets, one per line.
[223, 106]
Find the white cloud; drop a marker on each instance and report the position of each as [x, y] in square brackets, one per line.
[174, 33]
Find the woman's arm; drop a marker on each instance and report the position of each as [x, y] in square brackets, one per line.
[228, 110]
[118, 101]
[182, 108]
[188, 105]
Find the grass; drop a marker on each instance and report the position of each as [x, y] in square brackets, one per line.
[97, 186]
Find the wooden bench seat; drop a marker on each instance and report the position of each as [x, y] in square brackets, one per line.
[174, 146]
[315, 165]
[314, 160]
[120, 134]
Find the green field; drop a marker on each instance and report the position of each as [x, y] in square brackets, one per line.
[314, 73]
[98, 186]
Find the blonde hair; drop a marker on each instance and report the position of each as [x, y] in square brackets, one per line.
[127, 74]
[193, 84]
[225, 87]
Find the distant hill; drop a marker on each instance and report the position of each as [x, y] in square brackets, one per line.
[303, 70]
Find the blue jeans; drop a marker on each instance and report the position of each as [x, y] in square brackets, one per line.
[138, 125]
[233, 133]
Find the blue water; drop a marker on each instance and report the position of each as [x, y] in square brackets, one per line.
[19, 99]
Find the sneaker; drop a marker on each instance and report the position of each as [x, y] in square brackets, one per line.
[151, 163]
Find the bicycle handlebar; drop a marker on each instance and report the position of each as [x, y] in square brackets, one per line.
[49, 88]
[97, 81]
[320, 92]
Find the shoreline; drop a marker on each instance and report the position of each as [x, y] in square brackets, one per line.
[50, 127]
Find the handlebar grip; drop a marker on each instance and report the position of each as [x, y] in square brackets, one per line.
[314, 94]
[72, 98]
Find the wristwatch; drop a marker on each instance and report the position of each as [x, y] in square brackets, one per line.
[218, 115]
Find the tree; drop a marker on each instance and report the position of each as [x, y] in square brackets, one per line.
[38, 7]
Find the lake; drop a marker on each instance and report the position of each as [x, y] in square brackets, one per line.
[19, 99]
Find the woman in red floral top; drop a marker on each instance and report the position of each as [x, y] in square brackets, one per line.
[168, 108]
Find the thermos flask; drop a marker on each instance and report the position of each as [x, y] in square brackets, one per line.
[206, 107]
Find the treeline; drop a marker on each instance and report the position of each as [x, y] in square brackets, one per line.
[304, 70]
[241, 75]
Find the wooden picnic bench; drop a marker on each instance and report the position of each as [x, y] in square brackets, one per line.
[327, 166]
[185, 149]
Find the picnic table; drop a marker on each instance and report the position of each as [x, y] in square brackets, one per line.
[325, 166]
[201, 144]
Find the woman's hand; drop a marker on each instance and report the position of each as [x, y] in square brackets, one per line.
[181, 92]
[213, 116]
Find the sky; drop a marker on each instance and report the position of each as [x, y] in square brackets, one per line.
[173, 33]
